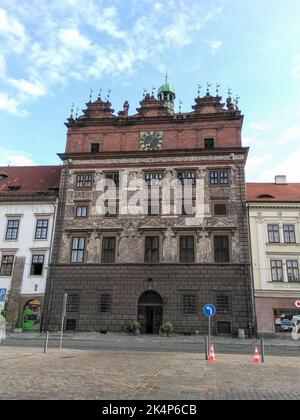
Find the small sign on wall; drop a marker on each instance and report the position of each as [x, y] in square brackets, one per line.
[297, 303]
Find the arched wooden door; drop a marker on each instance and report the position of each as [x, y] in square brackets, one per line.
[150, 312]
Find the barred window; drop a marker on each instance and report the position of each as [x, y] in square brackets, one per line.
[77, 252]
[108, 249]
[72, 303]
[152, 249]
[292, 270]
[41, 230]
[12, 229]
[276, 270]
[189, 304]
[105, 303]
[273, 233]
[7, 265]
[187, 249]
[37, 264]
[221, 248]
[223, 304]
[289, 233]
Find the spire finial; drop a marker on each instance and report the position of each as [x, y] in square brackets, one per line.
[166, 75]
[99, 94]
[108, 95]
[91, 93]
[207, 90]
[76, 115]
[144, 93]
[229, 92]
[217, 88]
[72, 110]
[199, 90]
[236, 102]
[153, 89]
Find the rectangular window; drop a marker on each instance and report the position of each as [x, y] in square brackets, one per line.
[108, 249]
[37, 264]
[209, 144]
[223, 304]
[276, 270]
[72, 303]
[219, 177]
[41, 231]
[77, 252]
[12, 229]
[153, 178]
[220, 209]
[289, 233]
[223, 327]
[292, 270]
[152, 249]
[189, 304]
[153, 207]
[187, 249]
[105, 303]
[95, 147]
[7, 265]
[188, 177]
[221, 248]
[84, 181]
[214, 178]
[71, 324]
[224, 178]
[114, 178]
[81, 211]
[273, 234]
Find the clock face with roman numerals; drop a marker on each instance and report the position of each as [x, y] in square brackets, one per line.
[151, 140]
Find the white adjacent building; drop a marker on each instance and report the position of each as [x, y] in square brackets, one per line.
[274, 214]
[28, 202]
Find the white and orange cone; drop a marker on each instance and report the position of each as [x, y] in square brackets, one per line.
[256, 356]
[211, 353]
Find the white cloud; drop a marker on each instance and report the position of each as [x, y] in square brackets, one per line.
[15, 158]
[73, 39]
[288, 166]
[2, 67]
[31, 89]
[254, 162]
[11, 105]
[215, 45]
[13, 32]
[260, 127]
[290, 135]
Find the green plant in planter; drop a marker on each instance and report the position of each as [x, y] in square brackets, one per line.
[167, 328]
[133, 327]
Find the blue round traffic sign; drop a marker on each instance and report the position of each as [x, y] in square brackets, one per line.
[209, 310]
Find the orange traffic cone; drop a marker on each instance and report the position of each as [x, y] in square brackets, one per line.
[212, 353]
[256, 356]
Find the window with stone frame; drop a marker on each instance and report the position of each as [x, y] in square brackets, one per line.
[81, 211]
[292, 268]
[219, 177]
[223, 303]
[37, 264]
[187, 249]
[84, 181]
[12, 229]
[153, 178]
[189, 303]
[187, 177]
[276, 270]
[95, 147]
[77, 250]
[154, 207]
[273, 233]
[108, 249]
[221, 249]
[289, 235]
[105, 303]
[114, 177]
[7, 265]
[41, 230]
[111, 207]
[209, 143]
[72, 306]
[220, 209]
[152, 249]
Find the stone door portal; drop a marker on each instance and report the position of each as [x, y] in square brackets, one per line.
[150, 312]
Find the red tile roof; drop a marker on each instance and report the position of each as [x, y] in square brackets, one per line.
[29, 179]
[273, 192]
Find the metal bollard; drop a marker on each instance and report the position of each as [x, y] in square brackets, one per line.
[46, 342]
[262, 349]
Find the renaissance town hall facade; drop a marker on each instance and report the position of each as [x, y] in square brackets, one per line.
[160, 259]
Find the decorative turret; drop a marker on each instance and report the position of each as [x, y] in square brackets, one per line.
[166, 93]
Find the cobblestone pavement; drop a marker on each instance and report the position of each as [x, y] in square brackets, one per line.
[26, 373]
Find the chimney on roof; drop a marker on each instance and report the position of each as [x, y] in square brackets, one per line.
[280, 180]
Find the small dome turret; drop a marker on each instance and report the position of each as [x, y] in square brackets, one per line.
[166, 93]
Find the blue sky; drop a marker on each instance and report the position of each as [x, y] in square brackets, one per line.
[53, 52]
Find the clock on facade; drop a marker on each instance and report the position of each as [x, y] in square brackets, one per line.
[151, 140]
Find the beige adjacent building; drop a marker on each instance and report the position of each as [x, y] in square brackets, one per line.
[274, 214]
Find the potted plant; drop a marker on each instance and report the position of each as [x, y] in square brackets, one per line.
[167, 328]
[134, 327]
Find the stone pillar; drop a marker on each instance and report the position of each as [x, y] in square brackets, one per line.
[13, 303]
